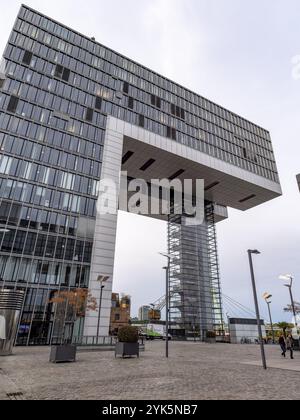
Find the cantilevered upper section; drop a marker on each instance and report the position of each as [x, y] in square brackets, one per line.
[84, 82]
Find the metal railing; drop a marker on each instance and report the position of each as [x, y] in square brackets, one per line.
[94, 341]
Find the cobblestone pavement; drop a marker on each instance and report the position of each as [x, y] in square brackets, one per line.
[193, 371]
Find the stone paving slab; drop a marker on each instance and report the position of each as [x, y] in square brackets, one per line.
[284, 364]
[194, 371]
[7, 386]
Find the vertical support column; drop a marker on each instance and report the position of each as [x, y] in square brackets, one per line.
[196, 305]
[217, 304]
[103, 254]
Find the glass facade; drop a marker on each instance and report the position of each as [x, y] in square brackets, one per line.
[55, 96]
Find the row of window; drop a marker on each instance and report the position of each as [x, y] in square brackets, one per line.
[30, 171]
[165, 131]
[209, 127]
[197, 121]
[260, 171]
[25, 270]
[84, 82]
[61, 104]
[38, 152]
[199, 145]
[210, 133]
[47, 246]
[85, 49]
[53, 101]
[55, 118]
[45, 197]
[78, 111]
[13, 214]
[39, 79]
[65, 106]
[43, 65]
[52, 137]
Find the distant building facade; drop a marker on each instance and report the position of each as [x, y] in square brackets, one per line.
[120, 312]
[144, 313]
[245, 330]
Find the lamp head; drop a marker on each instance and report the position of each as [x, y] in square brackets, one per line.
[102, 278]
[267, 296]
[254, 251]
[286, 277]
[164, 254]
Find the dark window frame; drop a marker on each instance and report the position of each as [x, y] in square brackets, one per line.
[89, 115]
[98, 103]
[13, 104]
[130, 102]
[126, 87]
[27, 57]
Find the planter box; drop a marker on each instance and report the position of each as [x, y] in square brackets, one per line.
[63, 354]
[127, 349]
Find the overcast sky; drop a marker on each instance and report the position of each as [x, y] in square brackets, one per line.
[239, 54]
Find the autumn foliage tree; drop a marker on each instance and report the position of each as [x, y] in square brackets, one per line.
[71, 305]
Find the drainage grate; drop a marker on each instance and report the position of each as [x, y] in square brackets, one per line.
[15, 396]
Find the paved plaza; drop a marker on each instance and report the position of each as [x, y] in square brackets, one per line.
[193, 371]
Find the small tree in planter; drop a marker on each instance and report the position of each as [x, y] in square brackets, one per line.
[210, 337]
[128, 344]
[70, 305]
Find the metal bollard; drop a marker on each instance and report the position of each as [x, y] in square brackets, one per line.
[11, 302]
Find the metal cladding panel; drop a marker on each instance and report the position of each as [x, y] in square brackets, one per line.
[11, 299]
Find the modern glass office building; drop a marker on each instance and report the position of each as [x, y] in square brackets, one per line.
[72, 112]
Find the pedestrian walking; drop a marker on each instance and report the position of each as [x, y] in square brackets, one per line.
[282, 344]
[290, 345]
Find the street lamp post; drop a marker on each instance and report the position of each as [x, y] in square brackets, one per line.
[194, 325]
[192, 320]
[167, 310]
[262, 348]
[289, 286]
[101, 279]
[168, 256]
[267, 297]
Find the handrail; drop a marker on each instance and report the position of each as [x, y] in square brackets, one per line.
[94, 341]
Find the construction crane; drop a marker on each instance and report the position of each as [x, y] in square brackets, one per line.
[289, 308]
[154, 313]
